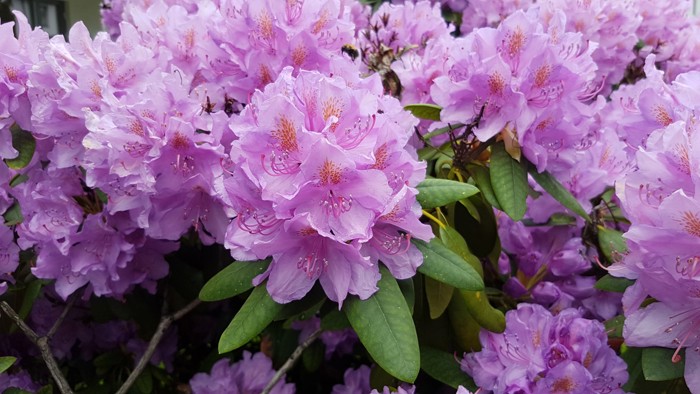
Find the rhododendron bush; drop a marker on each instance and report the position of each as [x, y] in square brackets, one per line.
[341, 196]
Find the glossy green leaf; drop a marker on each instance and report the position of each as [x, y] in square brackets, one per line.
[612, 244]
[611, 283]
[509, 182]
[255, 314]
[144, 383]
[444, 265]
[24, 142]
[6, 363]
[409, 292]
[234, 279]
[479, 307]
[482, 177]
[424, 111]
[555, 189]
[439, 295]
[442, 366]
[657, 364]
[434, 192]
[13, 215]
[385, 327]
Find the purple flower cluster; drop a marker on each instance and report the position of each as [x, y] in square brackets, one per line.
[322, 181]
[357, 381]
[551, 261]
[249, 375]
[541, 353]
[336, 342]
[660, 198]
[525, 82]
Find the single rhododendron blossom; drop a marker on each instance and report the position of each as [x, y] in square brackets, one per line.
[324, 181]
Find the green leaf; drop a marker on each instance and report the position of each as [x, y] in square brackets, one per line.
[555, 189]
[614, 326]
[13, 216]
[443, 367]
[18, 179]
[409, 292]
[6, 363]
[385, 327]
[633, 358]
[31, 293]
[24, 142]
[256, 313]
[657, 364]
[611, 283]
[482, 177]
[439, 295]
[334, 320]
[509, 182]
[611, 243]
[313, 356]
[444, 265]
[424, 111]
[233, 280]
[434, 192]
[144, 383]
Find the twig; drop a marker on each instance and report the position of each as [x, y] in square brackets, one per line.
[62, 317]
[43, 344]
[164, 324]
[291, 361]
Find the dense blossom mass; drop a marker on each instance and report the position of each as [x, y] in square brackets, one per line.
[541, 353]
[284, 131]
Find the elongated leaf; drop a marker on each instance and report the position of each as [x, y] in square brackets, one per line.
[444, 265]
[482, 177]
[13, 215]
[385, 327]
[612, 244]
[442, 366]
[409, 292]
[435, 192]
[439, 295]
[657, 364]
[18, 180]
[6, 363]
[24, 142]
[481, 310]
[509, 182]
[611, 283]
[424, 111]
[255, 314]
[558, 192]
[233, 280]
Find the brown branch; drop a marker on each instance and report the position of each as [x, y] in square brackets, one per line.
[61, 318]
[291, 361]
[42, 343]
[163, 326]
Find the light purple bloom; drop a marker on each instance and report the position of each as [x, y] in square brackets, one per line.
[249, 375]
[324, 181]
[538, 352]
